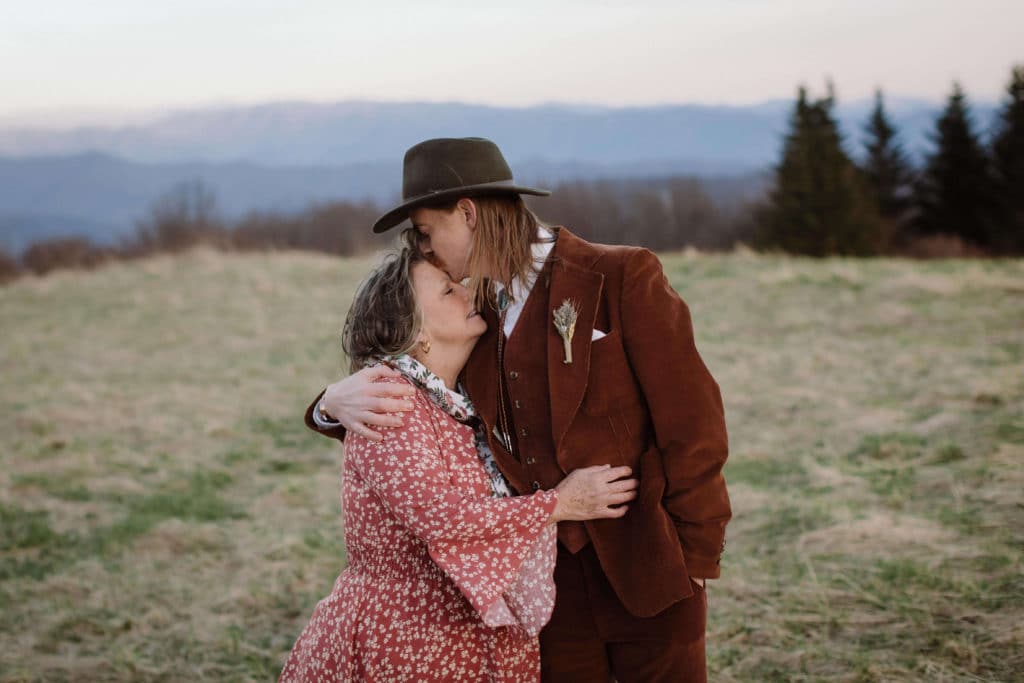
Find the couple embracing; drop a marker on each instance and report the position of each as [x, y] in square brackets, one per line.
[533, 451]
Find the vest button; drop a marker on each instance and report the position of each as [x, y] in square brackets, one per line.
[530, 461]
[523, 432]
[518, 405]
[513, 375]
[536, 486]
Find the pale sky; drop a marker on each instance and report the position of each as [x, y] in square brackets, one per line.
[111, 55]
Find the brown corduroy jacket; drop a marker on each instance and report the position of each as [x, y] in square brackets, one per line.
[639, 396]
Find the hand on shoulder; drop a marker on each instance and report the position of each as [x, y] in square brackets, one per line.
[372, 397]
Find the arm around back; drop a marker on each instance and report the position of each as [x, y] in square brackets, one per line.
[360, 402]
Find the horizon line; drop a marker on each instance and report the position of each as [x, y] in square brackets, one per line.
[53, 118]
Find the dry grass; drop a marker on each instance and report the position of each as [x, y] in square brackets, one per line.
[164, 514]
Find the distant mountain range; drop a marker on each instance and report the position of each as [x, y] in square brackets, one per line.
[97, 181]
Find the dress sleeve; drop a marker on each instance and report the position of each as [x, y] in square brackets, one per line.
[500, 552]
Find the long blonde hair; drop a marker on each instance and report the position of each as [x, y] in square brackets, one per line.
[506, 230]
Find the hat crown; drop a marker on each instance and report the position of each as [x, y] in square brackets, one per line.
[450, 168]
[445, 164]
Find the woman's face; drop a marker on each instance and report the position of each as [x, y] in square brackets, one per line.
[446, 238]
[449, 317]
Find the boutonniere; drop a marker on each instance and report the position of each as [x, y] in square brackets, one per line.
[565, 323]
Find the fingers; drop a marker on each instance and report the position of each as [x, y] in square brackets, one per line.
[393, 390]
[391, 405]
[620, 498]
[367, 433]
[607, 472]
[621, 485]
[379, 371]
[379, 419]
[609, 513]
[614, 473]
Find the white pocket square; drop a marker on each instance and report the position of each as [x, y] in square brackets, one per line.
[597, 334]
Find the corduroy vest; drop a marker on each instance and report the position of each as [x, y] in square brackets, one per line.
[527, 400]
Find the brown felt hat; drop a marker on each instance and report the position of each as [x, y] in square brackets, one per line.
[449, 168]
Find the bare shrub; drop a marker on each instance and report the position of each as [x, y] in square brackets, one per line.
[9, 268]
[64, 252]
[182, 218]
[341, 228]
[941, 246]
[739, 224]
[660, 213]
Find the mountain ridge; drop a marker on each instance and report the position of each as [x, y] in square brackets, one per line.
[285, 156]
[297, 133]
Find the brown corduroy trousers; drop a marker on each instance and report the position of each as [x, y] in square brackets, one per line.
[592, 638]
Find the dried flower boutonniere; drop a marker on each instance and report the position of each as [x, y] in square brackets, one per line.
[565, 323]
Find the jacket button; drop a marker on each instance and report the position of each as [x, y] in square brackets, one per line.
[513, 375]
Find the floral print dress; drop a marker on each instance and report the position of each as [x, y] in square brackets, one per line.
[448, 580]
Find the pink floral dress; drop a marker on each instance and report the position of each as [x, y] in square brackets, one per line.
[446, 581]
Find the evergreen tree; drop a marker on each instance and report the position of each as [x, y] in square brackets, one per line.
[820, 204]
[1008, 164]
[955, 194]
[886, 168]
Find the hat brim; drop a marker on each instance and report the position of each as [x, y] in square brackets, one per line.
[401, 212]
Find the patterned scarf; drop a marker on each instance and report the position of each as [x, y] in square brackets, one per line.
[458, 406]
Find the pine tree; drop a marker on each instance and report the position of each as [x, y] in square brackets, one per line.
[1008, 165]
[886, 168]
[820, 204]
[955, 194]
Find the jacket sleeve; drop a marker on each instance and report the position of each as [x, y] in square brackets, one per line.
[500, 552]
[337, 432]
[686, 410]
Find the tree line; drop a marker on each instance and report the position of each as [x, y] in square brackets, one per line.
[967, 198]
[968, 194]
[662, 213]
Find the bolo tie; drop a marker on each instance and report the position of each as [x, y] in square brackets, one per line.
[502, 430]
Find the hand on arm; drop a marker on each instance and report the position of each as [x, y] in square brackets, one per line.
[359, 402]
[589, 493]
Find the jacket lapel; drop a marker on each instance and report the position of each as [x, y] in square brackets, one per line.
[567, 382]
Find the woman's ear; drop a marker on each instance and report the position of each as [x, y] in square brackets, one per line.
[422, 344]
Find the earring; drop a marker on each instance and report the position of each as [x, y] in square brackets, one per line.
[425, 345]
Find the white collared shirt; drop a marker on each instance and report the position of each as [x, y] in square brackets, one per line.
[521, 290]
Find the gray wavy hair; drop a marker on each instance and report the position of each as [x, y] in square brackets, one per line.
[385, 317]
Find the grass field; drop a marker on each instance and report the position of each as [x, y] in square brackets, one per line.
[165, 515]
